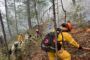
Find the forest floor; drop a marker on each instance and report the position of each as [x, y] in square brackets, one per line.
[82, 36]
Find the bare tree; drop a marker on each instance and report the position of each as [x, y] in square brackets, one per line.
[35, 3]
[63, 10]
[16, 17]
[7, 18]
[28, 13]
[74, 2]
[57, 12]
[55, 25]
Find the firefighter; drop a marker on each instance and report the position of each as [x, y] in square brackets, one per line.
[20, 38]
[38, 33]
[62, 53]
[15, 51]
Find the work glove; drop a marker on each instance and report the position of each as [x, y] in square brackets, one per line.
[80, 47]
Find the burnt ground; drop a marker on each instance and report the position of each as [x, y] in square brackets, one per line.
[33, 52]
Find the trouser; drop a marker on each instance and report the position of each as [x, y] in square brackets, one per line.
[62, 54]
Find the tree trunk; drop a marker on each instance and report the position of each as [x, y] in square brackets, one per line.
[36, 13]
[57, 13]
[28, 13]
[55, 26]
[16, 17]
[74, 2]
[3, 30]
[7, 19]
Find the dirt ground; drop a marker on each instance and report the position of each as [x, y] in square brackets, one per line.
[82, 36]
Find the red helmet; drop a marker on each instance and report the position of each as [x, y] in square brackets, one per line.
[67, 25]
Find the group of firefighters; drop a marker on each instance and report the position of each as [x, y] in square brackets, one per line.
[21, 40]
[62, 34]
[21, 37]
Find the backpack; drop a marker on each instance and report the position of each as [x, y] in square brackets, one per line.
[48, 43]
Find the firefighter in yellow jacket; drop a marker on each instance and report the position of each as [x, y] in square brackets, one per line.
[64, 54]
[20, 38]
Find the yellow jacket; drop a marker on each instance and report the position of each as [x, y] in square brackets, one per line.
[64, 54]
[68, 38]
[20, 38]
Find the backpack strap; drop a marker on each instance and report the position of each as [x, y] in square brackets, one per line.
[62, 40]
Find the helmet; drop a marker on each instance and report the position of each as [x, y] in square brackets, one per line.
[37, 30]
[67, 25]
